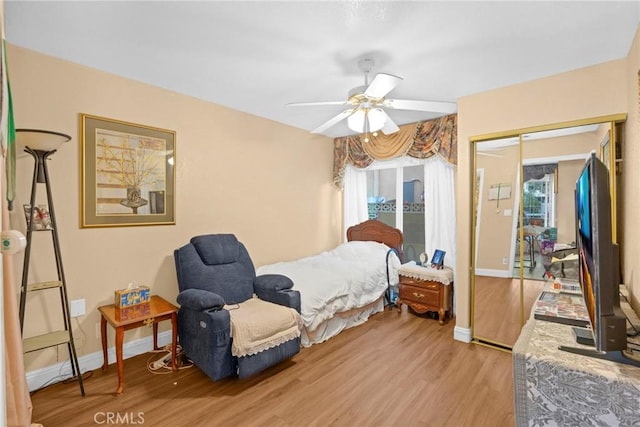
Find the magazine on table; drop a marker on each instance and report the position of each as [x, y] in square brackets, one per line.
[562, 307]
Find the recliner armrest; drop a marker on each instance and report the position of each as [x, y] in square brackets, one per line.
[276, 288]
[287, 297]
[271, 283]
[198, 299]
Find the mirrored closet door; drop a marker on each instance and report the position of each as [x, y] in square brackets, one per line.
[524, 219]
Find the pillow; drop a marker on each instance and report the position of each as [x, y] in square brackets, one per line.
[360, 251]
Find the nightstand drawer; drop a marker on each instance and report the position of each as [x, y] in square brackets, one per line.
[425, 284]
[419, 295]
[425, 289]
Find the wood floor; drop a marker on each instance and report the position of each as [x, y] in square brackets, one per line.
[395, 370]
[497, 316]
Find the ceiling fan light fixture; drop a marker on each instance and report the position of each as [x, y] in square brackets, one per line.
[365, 121]
[376, 119]
[356, 121]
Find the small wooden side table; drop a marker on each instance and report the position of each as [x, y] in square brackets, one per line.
[123, 319]
[426, 289]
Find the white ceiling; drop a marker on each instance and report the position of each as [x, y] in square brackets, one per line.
[258, 56]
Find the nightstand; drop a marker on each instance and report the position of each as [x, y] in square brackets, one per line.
[426, 289]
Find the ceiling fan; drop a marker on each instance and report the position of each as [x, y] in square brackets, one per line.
[366, 103]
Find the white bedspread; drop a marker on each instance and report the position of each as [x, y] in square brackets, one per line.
[350, 276]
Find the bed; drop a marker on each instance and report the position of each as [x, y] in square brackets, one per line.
[343, 287]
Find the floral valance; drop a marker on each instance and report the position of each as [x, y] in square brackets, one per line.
[420, 140]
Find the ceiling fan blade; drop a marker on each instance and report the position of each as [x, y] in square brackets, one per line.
[332, 121]
[381, 85]
[305, 104]
[431, 106]
[389, 125]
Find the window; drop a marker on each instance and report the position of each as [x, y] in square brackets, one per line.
[393, 186]
[539, 202]
[417, 196]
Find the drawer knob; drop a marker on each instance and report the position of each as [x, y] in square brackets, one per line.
[417, 295]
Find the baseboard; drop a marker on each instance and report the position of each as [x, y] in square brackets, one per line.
[493, 273]
[462, 334]
[60, 371]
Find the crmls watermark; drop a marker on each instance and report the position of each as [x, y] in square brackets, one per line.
[113, 418]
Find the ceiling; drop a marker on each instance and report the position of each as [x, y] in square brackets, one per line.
[258, 56]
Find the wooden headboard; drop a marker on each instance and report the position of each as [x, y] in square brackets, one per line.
[377, 231]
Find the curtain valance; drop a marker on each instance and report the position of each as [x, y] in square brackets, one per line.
[420, 140]
[539, 171]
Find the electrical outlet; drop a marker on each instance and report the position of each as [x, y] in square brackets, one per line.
[505, 260]
[77, 308]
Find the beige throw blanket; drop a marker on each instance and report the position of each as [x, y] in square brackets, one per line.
[258, 325]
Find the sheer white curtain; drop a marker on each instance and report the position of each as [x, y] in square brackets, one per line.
[355, 198]
[439, 198]
[440, 208]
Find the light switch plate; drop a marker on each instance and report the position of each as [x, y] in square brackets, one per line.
[77, 308]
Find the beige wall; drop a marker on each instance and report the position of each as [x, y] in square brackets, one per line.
[496, 229]
[584, 93]
[268, 183]
[582, 143]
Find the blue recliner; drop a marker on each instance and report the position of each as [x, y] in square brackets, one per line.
[214, 270]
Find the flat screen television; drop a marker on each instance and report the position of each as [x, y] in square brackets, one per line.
[599, 265]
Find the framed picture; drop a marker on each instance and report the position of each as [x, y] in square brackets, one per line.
[424, 257]
[128, 173]
[438, 259]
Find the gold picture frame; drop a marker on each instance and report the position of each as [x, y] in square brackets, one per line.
[128, 173]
